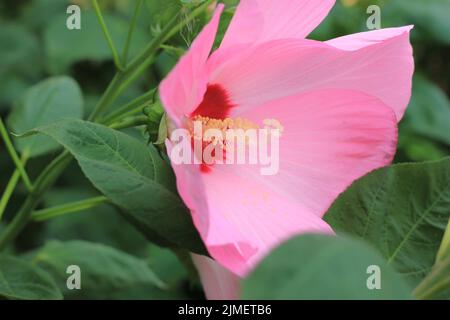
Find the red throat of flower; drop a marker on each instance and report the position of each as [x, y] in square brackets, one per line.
[216, 104]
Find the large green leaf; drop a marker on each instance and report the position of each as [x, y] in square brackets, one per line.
[323, 267]
[133, 176]
[19, 279]
[402, 210]
[106, 273]
[19, 51]
[13, 86]
[429, 111]
[48, 101]
[37, 14]
[20, 61]
[64, 47]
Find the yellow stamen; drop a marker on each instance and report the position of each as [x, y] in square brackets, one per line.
[224, 126]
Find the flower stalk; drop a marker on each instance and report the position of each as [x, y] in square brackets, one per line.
[130, 123]
[135, 106]
[137, 10]
[444, 249]
[108, 38]
[48, 213]
[15, 157]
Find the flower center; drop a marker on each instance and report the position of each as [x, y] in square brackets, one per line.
[206, 123]
[213, 132]
[214, 135]
[212, 114]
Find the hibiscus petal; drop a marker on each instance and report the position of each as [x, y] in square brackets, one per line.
[282, 68]
[330, 138]
[183, 89]
[257, 21]
[218, 283]
[363, 39]
[261, 218]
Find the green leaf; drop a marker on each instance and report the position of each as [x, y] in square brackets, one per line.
[323, 267]
[402, 210]
[106, 273]
[133, 176]
[429, 111]
[19, 51]
[37, 14]
[416, 148]
[430, 18]
[65, 47]
[48, 101]
[20, 61]
[21, 280]
[166, 265]
[13, 86]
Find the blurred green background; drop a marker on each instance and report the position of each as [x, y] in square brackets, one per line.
[35, 44]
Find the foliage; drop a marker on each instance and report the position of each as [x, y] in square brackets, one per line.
[64, 98]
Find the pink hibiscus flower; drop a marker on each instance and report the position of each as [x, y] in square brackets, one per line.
[338, 101]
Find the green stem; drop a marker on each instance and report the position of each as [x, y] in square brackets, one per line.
[98, 12]
[130, 108]
[8, 191]
[433, 291]
[130, 122]
[43, 183]
[15, 157]
[11, 186]
[444, 249]
[436, 282]
[108, 97]
[177, 52]
[137, 10]
[48, 213]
